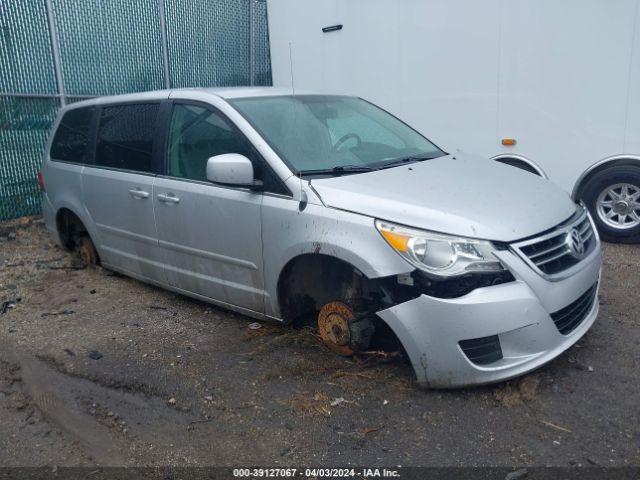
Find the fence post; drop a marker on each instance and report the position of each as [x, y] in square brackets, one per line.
[251, 43]
[55, 49]
[165, 46]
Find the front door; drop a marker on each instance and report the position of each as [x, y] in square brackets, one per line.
[210, 235]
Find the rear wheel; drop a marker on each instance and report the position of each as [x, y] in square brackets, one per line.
[342, 330]
[613, 198]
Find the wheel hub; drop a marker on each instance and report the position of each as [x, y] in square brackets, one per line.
[333, 326]
[621, 207]
[338, 330]
[85, 255]
[87, 252]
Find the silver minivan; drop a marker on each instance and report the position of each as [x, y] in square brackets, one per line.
[290, 207]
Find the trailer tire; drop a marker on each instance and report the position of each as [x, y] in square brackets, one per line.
[613, 198]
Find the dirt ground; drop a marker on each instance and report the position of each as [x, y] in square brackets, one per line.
[96, 368]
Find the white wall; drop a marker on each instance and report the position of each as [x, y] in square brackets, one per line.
[632, 141]
[563, 81]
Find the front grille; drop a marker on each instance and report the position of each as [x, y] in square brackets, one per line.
[482, 351]
[551, 253]
[568, 318]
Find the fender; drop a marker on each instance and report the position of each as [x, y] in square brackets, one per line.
[350, 237]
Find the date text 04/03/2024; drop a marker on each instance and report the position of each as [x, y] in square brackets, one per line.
[315, 473]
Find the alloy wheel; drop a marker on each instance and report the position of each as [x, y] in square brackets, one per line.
[618, 206]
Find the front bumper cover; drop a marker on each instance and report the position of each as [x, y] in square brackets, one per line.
[518, 312]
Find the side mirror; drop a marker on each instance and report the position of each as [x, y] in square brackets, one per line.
[232, 169]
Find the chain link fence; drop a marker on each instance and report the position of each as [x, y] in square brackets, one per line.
[55, 52]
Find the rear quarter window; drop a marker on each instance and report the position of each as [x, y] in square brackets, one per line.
[71, 140]
[125, 136]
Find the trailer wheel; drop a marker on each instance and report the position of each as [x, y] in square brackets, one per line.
[613, 198]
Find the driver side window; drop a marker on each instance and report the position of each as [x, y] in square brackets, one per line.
[196, 134]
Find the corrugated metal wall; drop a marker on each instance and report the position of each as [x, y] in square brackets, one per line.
[59, 51]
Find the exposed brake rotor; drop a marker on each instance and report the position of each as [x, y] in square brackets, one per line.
[87, 252]
[333, 327]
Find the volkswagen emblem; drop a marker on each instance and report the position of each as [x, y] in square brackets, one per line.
[575, 243]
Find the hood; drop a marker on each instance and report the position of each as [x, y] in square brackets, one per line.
[456, 194]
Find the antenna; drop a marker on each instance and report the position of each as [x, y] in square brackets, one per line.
[293, 87]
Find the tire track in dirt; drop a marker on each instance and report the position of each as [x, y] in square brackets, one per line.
[44, 387]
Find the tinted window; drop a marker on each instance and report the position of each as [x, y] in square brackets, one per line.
[125, 136]
[72, 137]
[197, 133]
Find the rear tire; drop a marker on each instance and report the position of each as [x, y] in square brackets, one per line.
[613, 198]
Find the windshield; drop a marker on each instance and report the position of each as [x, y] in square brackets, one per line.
[319, 134]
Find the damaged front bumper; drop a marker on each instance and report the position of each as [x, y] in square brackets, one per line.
[510, 325]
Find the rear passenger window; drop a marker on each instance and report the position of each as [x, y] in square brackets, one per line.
[125, 136]
[72, 137]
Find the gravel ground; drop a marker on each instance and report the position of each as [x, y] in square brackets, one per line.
[96, 368]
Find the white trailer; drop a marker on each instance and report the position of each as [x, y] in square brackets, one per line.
[551, 86]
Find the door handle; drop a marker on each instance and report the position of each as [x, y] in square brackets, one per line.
[137, 193]
[168, 198]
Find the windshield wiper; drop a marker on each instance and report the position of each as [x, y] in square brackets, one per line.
[409, 159]
[348, 169]
[339, 170]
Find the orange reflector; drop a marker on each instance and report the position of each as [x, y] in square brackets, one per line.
[396, 240]
[508, 142]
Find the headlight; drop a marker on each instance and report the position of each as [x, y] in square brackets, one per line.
[439, 254]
